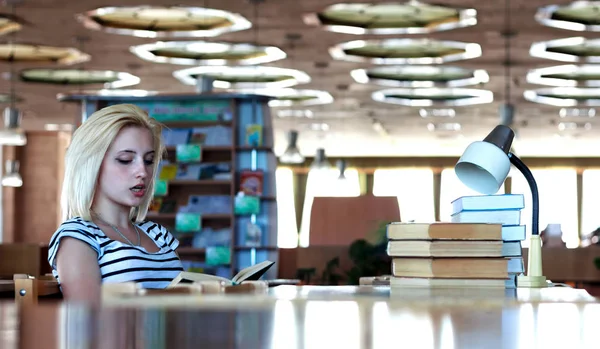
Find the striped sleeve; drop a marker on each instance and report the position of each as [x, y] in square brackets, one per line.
[74, 229]
[161, 235]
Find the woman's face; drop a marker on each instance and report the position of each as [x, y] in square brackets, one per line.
[126, 169]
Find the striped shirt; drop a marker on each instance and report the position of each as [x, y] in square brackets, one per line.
[121, 262]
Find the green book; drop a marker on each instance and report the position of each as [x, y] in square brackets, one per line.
[188, 222]
[160, 187]
[188, 153]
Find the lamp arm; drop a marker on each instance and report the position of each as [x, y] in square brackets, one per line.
[534, 191]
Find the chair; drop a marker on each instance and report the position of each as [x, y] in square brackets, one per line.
[28, 289]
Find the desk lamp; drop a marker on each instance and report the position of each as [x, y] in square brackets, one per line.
[483, 167]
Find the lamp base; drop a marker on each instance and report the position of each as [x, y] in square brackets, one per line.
[534, 277]
[524, 281]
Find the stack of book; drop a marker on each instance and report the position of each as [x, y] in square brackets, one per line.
[447, 255]
[504, 209]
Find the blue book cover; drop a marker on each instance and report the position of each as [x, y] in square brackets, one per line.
[488, 203]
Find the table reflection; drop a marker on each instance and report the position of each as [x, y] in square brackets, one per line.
[304, 323]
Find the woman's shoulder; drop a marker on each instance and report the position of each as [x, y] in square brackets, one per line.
[151, 227]
[159, 233]
[78, 228]
[78, 224]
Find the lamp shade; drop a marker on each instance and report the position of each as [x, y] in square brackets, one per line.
[483, 167]
[292, 154]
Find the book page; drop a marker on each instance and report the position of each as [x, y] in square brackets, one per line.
[246, 273]
[189, 277]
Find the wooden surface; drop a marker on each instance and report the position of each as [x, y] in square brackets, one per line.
[565, 264]
[342, 220]
[315, 317]
[33, 210]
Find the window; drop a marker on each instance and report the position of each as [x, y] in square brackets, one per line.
[590, 206]
[451, 188]
[557, 190]
[287, 228]
[414, 189]
[325, 183]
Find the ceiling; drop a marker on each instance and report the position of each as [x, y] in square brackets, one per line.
[398, 131]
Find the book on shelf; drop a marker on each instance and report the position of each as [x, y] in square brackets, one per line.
[251, 273]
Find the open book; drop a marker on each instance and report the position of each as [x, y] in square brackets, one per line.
[251, 273]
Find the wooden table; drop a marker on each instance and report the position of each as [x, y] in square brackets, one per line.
[316, 317]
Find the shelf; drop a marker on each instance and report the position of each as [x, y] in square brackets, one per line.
[190, 251]
[262, 248]
[192, 124]
[218, 148]
[200, 182]
[223, 148]
[204, 216]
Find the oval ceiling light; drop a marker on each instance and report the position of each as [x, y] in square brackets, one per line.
[405, 51]
[109, 78]
[565, 96]
[243, 77]
[574, 49]
[568, 75]
[8, 98]
[428, 97]
[291, 97]
[577, 16]
[75, 96]
[420, 76]
[412, 17]
[163, 21]
[10, 24]
[30, 53]
[207, 53]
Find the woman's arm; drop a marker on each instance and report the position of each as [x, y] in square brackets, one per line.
[78, 271]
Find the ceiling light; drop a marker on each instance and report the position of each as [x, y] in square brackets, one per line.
[291, 97]
[11, 177]
[565, 96]
[292, 154]
[572, 126]
[577, 112]
[420, 76]
[568, 75]
[30, 53]
[320, 162]
[427, 97]
[243, 77]
[163, 21]
[444, 126]
[10, 24]
[319, 127]
[437, 113]
[207, 53]
[109, 79]
[58, 127]
[405, 51]
[295, 113]
[574, 49]
[75, 96]
[577, 16]
[412, 17]
[12, 134]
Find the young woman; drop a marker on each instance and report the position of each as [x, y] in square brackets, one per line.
[107, 188]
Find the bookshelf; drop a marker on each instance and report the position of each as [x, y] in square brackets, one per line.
[227, 158]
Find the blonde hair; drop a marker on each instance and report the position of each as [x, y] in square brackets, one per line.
[87, 150]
